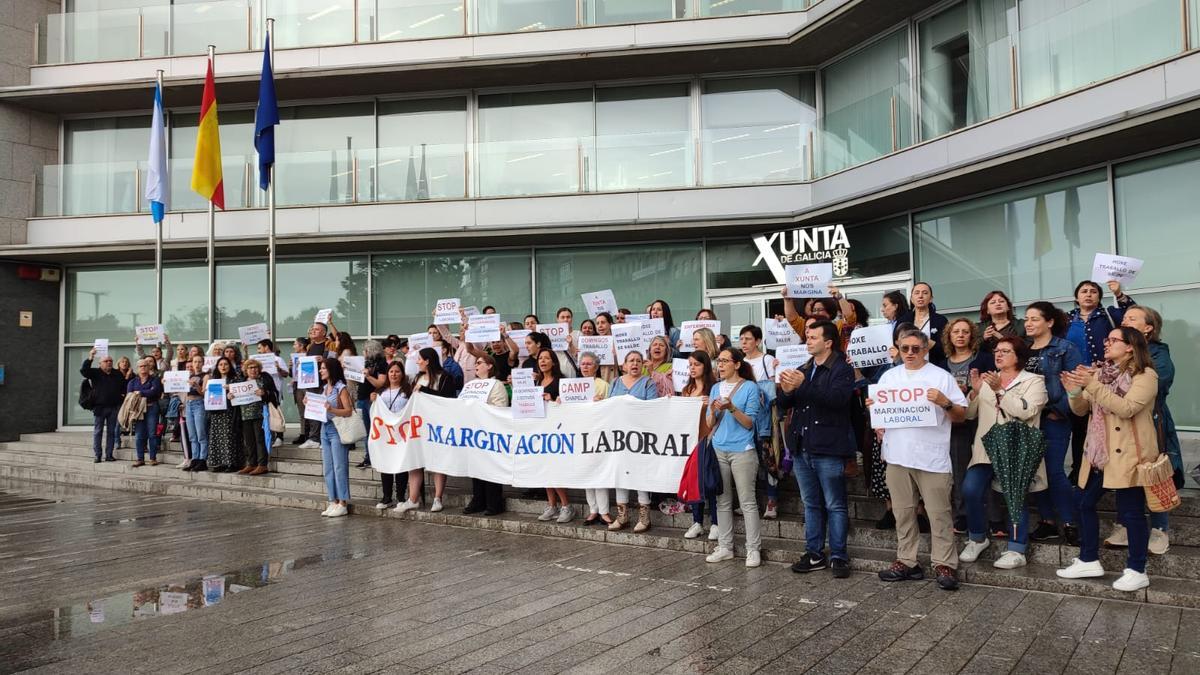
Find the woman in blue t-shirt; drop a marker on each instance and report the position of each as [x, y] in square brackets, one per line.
[733, 405]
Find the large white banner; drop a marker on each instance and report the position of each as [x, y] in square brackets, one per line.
[619, 442]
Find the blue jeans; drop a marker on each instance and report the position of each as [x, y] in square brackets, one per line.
[197, 429]
[335, 460]
[173, 408]
[822, 481]
[365, 408]
[145, 432]
[1057, 504]
[104, 418]
[976, 486]
[1131, 512]
[1160, 521]
[698, 511]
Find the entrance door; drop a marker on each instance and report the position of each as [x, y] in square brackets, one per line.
[739, 307]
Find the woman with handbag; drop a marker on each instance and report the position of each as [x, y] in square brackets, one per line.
[733, 406]
[335, 459]
[254, 439]
[700, 381]
[1009, 393]
[1120, 452]
[432, 380]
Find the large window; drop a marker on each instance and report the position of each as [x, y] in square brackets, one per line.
[303, 287]
[422, 149]
[757, 129]
[642, 139]
[302, 23]
[966, 71]
[513, 16]
[406, 287]
[107, 302]
[185, 302]
[239, 164]
[411, 19]
[105, 165]
[637, 276]
[1181, 331]
[633, 11]
[241, 296]
[1156, 217]
[324, 154]
[534, 143]
[1031, 243]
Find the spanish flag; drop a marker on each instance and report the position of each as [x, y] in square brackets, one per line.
[206, 170]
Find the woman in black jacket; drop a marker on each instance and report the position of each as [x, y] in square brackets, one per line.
[254, 437]
[923, 314]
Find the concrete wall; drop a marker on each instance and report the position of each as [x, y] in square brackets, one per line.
[29, 395]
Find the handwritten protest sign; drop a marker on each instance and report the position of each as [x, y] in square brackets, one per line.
[869, 346]
[600, 301]
[809, 281]
[600, 345]
[1106, 268]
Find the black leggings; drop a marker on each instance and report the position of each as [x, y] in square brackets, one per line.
[253, 442]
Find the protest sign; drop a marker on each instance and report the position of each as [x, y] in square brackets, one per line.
[175, 381]
[725, 389]
[600, 301]
[210, 362]
[900, 407]
[471, 310]
[307, 373]
[576, 390]
[171, 602]
[270, 363]
[557, 332]
[353, 367]
[483, 328]
[214, 589]
[101, 347]
[254, 333]
[688, 327]
[323, 316]
[214, 395]
[790, 357]
[477, 390]
[1106, 268]
[627, 337]
[445, 312]
[528, 403]
[243, 393]
[679, 373]
[869, 346]
[419, 341]
[522, 377]
[518, 336]
[809, 281]
[635, 318]
[779, 333]
[151, 334]
[600, 345]
[314, 407]
[652, 328]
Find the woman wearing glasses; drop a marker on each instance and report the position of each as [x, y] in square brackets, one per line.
[733, 406]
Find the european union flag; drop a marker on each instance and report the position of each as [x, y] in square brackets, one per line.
[266, 116]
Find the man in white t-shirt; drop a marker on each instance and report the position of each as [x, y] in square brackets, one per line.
[918, 465]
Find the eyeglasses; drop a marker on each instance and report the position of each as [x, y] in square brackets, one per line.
[910, 349]
[725, 361]
[1110, 340]
[1003, 351]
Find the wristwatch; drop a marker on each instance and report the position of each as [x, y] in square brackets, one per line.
[947, 406]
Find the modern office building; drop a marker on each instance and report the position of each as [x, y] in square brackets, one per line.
[520, 152]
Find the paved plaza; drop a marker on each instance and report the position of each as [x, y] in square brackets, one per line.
[95, 581]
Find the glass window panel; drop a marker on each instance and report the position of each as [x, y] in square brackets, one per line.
[757, 129]
[735, 7]
[107, 302]
[304, 287]
[636, 274]
[241, 296]
[407, 286]
[642, 137]
[412, 19]
[239, 163]
[535, 143]
[425, 138]
[1032, 243]
[93, 34]
[185, 302]
[303, 23]
[104, 157]
[513, 16]
[730, 264]
[1181, 331]
[867, 103]
[190, 26]
[317, 148]
[73, 359]
[634, 11]
[1157, 202]
[1066, 44]
[966, 72]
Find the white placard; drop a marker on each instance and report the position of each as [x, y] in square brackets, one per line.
[477, 390]
[101, 347]
[419, 341]
[445, 312]
[651, 328]
[808, 281]
[779, 333]
[210, 362]
[254, 333]
[627, 337]
[600, 301]
[171, 602]
[307, 374]
[270, 364]
[869, 346]
[214, 395]
[895, 407]
[175, 381]
[244, 392]
[353, 367]
[557, 332]
[151, 334]
[688, 327]
[314, 407]
[576, 390]
[522, 377]
[790, 357]
[679, 374]
[470, 311]
[600, 345]
[528, 403]
[631, 318]
[726, 389]
[323, 316]
[518, 337]
[483, 328]
[1107, 267]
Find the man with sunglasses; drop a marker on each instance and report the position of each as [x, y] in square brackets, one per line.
[918, 464]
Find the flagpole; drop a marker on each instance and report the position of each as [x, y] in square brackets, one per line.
[158, 243]
[271, 208]
[212, 262]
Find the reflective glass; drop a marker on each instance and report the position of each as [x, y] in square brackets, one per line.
[303, 287]
[303, 23]
[411, 19]
[1157, 202]
[1181, 331]
[735, 7]
[633, 11]
[422, 149]
[514, 16]
[1032, 243]
[406, 287]
[107, 35]
[642, 137]
[757, 129]
[107, 302]
[636, 274]
[239, 163]
[241, 296]
[185, 302]
[194, 24]
[105, 165]
[534, 143]
[323, 154]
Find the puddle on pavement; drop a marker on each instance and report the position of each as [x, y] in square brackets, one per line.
[196, 593]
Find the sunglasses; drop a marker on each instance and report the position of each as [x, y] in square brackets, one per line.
[910, 349]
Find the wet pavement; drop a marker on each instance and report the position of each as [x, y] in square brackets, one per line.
[95, 581]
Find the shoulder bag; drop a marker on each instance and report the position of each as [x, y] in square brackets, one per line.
[350, 429]
[1157, 478]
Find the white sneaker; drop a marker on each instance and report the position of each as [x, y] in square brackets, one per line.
[1118, 537]
[549, 514]
[328, 508]
[713, 533]
[1131, 581]
[1009, 560]
[278, 442]
[566, 514]
[1159, 541]
[436, 506]
[308, 445]
[737, 511]
[719, 555]
[383, 505]
[184, 464]
[772, 512]
[753, 558]
[971, 551]
[338, 511]
[1081, 570]
[694, 531]
[407, 505]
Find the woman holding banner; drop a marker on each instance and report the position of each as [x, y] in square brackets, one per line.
[548, 375]
[394, 392]
[434, 381]
[224, 426]
[335, 458]
[700, 381]
[597, 498]
[733, 407]
[487, 496]
[633, 383]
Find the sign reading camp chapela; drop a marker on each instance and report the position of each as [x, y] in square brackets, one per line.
[619, 442]
[895, 407]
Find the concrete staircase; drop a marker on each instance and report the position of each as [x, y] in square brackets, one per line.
[296, 481]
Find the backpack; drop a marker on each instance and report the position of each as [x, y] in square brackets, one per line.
[87, 395]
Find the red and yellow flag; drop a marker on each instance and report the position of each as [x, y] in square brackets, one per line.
[206, 170]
